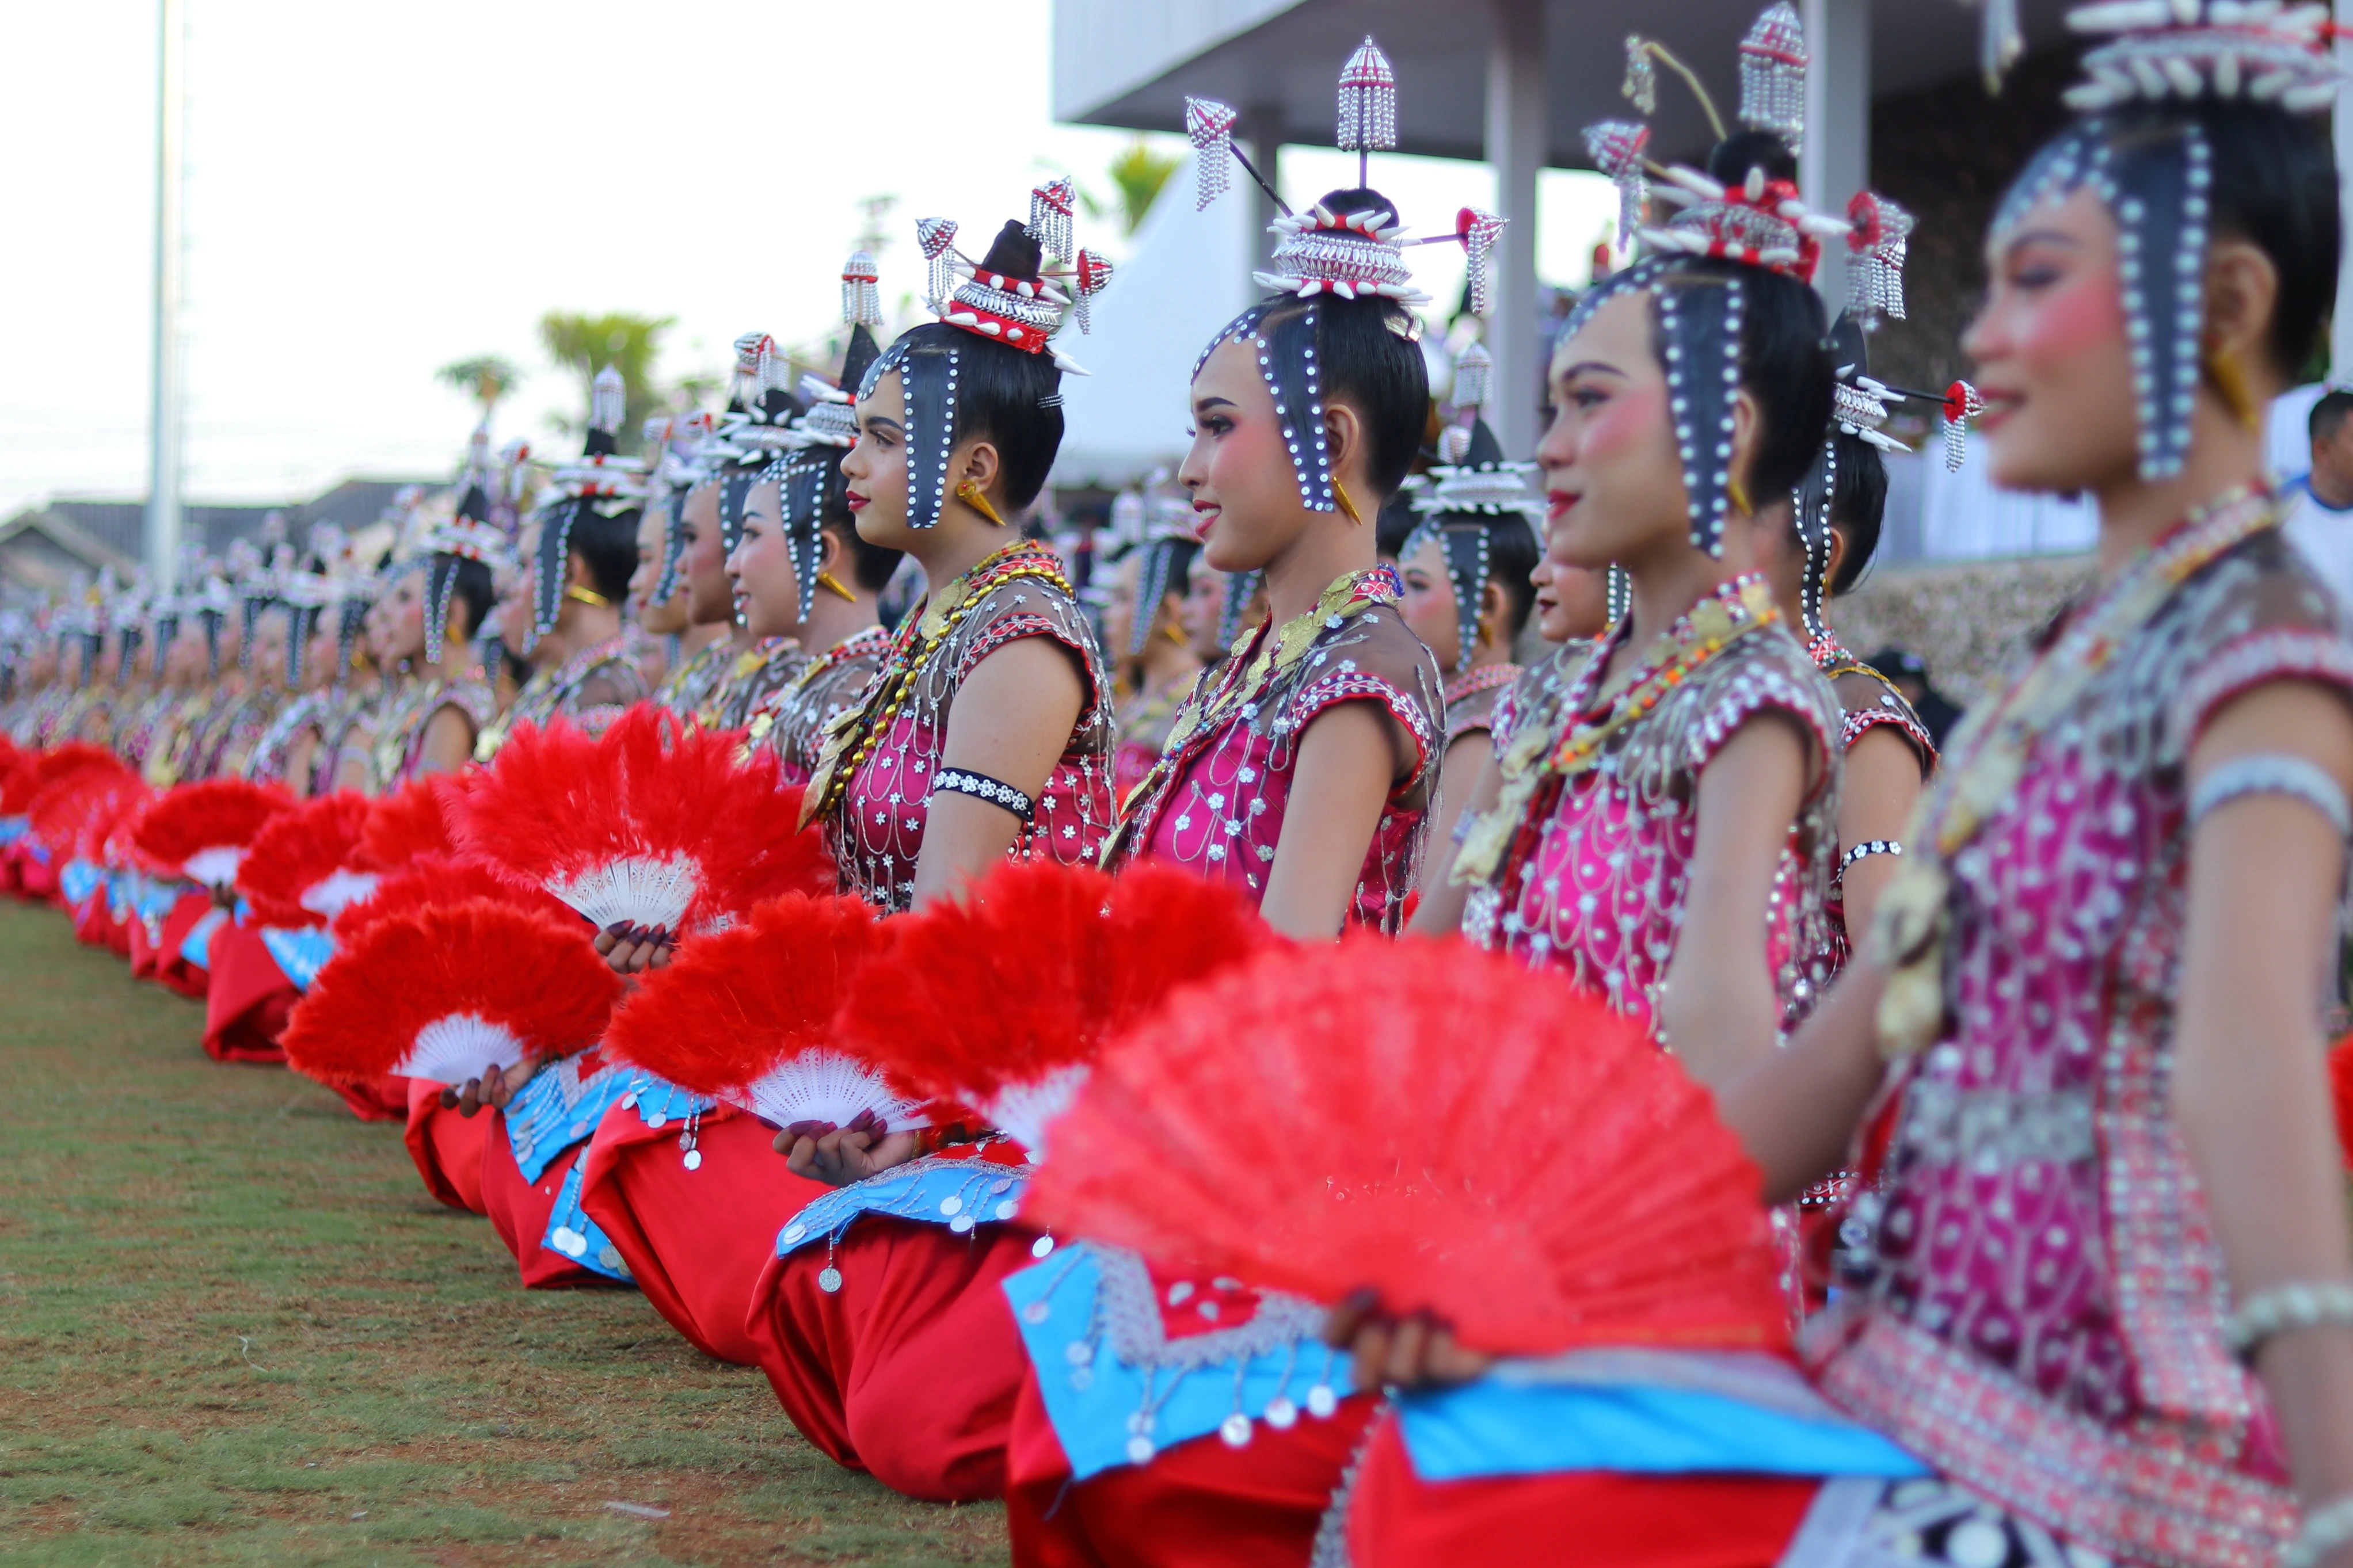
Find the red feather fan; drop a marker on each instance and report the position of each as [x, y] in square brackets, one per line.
[201, 831]
[746, 1014]
[443, 994]
[433, 880]
[2340, 1080]
[43, 769]
[10, 755]
[657, 824]
[298, 870]
[1462, 1134]
[73, 815]
[413, 820]
[1002, 1001]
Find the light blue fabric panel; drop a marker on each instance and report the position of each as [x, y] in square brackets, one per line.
[540, 1126]
[572, 1234]
[301, 952]
[1489, 1429]
[957, 1193]
[196, 946]
[80, 881]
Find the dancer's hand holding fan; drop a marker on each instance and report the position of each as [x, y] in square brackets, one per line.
[1001, 1000]
[745, 1015]
[652, 832]
[449, 994]
[201, 831]
[1467, 1141]
[299, 871]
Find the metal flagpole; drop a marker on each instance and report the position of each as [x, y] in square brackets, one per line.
[162, 530]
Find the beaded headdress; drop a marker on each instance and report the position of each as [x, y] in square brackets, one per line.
[2158, 185]
[811, 470]
[752, 433]
[1241, 587]
[1758, 223]
[1347, 253]
[1007, 297]
[1164, 561]
[468, 535]
[1473, 490]
[601, 482]
[678, 469]
[1858, 413]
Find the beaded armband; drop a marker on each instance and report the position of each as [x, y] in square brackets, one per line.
[2273, 773]
[2325, 1529]
[1865, 850]
[2307, 1304]
[980, 786]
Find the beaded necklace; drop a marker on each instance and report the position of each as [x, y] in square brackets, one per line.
[1486, 678]
[1539, 753]
[1913, 920]
[851, 738]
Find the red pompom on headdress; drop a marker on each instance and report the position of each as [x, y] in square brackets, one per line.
[1531, 1170]
[201, 831]
[299, 869]
[1003, 1000]
[39, 770]
[432, 881]
[746, 1015]
[413, 820]
[445, 994]
[655, 825]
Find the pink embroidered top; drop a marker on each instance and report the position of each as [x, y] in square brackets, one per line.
[2039, 1306]
[1585, 864]
[791, 719]
[872, 783]
[1215, 801]
[1473, 696]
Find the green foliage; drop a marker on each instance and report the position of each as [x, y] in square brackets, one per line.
[1136, 175]
[485, 378]
[585, 344]
[235, 1330]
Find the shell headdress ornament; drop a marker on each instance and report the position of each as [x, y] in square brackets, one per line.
[1348, 255]
[2161, 55]
[1473, 490]
[600, 481]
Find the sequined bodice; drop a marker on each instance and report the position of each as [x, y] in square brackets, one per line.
[398, 732]
[1217, 803]
[791, 719]
[1472, 697]
[591, 688]
[1596, 876]
[688, 686]
[876, 827]
[767, 667]
[2042, 1239]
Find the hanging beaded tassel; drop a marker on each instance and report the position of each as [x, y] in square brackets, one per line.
[608, 401]
[1368, 100]
[1211, 126]
[1478, 231]
[1089, 277]
[1616, 147]
[1642, 84]
[751, 365]
[2000, 42]
[1773, 74]
[1474, 377]
[1050, 207]
[1962, 404]
[935, 236]
[1701, 330]
[862, 291]
[1882, 234]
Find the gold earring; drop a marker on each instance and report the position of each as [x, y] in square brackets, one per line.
[2230, 386]
[1175, 634]
[1739, 494]
[825, 580]
[973, 496]
[1340, 494]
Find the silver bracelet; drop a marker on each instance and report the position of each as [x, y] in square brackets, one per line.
[2304, 1304]
[980, 786]
[2325, 1529]
[2273, 773]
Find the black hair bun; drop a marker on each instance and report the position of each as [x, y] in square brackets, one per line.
[1729, 163]
[1013, 253]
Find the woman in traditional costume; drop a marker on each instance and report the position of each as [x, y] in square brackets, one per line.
[435, 700]
[1142, 624]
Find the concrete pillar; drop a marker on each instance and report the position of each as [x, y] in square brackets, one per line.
[2340, 330]
[160, 537]
[1835, 161]
[1516, 147]
[1261, 131]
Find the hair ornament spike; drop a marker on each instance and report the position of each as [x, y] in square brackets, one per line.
[1368, 101]
[1209, 125]
[862, 293]
[1881, 233]
[1859, 407]
[2000, 41]
[1050, 208]
[1773, 61]
[608, 401]
[935, 238]
[1090, 276]
[1617, 148]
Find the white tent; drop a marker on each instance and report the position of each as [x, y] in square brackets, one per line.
[1188, 275]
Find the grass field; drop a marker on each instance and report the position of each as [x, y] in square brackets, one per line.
[233, 1328]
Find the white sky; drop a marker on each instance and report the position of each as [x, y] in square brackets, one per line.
[377, 191]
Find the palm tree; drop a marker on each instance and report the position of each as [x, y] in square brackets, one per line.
[486, 376]
[1139, 173]
[585, 344]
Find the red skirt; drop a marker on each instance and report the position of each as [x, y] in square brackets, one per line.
[248, 1000]
[94, 924]
[170, 969]
[1589, 1518]
[446, 1147]
[695, 1241]
[519, 1210]
[1199, 1502]
[909, 1371]
[383, 1098]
